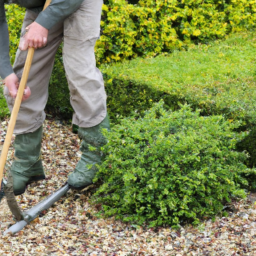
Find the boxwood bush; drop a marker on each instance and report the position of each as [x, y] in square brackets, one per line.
[153, 26]
[149, 27]
[170, 167]
[15, 16]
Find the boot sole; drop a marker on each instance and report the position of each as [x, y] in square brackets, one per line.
[79, 188]
[32, 179]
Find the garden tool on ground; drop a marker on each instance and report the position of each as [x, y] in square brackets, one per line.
[7, 187]
[34, 212]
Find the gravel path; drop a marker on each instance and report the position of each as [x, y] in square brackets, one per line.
[70, 227]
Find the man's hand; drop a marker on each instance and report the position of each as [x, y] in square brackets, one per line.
[35, 37]
[12, 83]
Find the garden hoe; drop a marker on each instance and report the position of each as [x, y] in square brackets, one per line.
[6, 188]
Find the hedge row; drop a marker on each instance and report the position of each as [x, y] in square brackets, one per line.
[218, 78]
[150, 28]
[153, 26]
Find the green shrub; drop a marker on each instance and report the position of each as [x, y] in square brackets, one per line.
[153, 26]
[248, 144]
[169, 167]
[15, 16]
[148, 27]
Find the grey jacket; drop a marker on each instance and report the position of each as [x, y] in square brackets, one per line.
[57, 11]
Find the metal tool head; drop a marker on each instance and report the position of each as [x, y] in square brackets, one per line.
[11, 200]
[34, 212]
[3, 184]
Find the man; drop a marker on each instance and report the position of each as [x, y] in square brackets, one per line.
[77, 23]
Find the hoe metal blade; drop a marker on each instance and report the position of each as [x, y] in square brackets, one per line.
[31, 214]
[3, 184]
[11, 200]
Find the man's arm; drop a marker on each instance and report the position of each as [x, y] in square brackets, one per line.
[6, 72]
[5, 65]
[57, 11]
[35, 37]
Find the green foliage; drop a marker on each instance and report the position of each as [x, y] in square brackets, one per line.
[14, 16]
[154, 26]
[249, 144]
[169, 167]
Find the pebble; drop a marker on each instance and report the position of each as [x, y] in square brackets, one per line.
[168, 247]
[174, 235]
[207, 240]
[176, 244]
[243, 215]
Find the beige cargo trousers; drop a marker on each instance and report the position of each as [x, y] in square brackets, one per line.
[79, 33]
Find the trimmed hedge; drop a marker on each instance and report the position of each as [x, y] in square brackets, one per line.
[170, 167]
[153, 26]
[149, 28]
[218, 78]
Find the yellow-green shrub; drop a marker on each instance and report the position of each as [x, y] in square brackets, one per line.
[241, 14]
[14, 17]
[154, 26]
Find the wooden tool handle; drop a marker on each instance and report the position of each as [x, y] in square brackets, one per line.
[16, 107]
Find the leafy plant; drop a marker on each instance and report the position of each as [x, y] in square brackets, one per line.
[14, 16]
[170, 167]
[154, 26]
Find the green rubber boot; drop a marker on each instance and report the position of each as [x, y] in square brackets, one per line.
[27, 165]
[86, 167]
